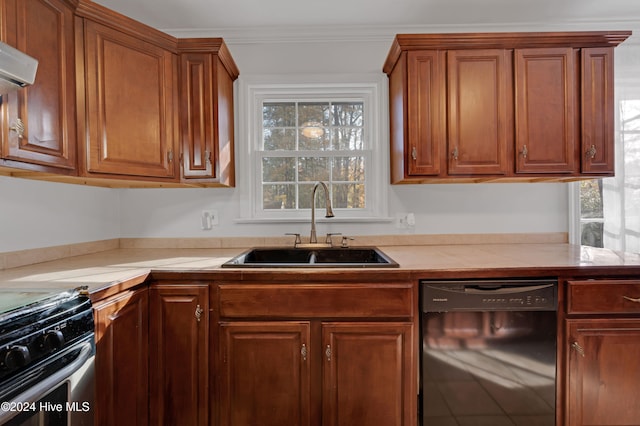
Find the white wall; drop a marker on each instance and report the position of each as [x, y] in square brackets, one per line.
[38, 214]
[41, 214]
[449, 208]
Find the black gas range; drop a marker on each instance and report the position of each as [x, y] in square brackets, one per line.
[47, 349]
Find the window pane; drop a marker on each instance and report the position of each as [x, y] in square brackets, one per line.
[278, 196]
[278, 169]
[591, 234]
[347, 114]
[591, 198]
[279, 139]
[347, 138]
[349, 169]
[306, 190]
[348, 196]
[314, 112]
[313, 169]
[278, 114]
[321, 143]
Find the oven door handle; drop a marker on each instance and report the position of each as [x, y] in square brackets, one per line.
[34, 393]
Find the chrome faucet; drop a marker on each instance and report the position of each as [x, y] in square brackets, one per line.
[313, 239]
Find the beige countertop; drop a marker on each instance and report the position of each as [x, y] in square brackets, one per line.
[129, 266]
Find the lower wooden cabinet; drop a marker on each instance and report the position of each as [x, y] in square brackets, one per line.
[366, 374]
[122, 359]
[179, 354]
[316, 373]
[604, 366]
[152, 356]
[603, 353]
[266, 373]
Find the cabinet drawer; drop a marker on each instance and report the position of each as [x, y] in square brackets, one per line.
[604, 296]
[316, 300]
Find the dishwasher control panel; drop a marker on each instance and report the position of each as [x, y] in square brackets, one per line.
[489, 295]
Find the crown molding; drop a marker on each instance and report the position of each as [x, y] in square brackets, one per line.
[382, 33]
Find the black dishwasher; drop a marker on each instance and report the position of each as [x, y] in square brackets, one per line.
[488, 352]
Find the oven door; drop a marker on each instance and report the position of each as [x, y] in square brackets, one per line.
[60, 392]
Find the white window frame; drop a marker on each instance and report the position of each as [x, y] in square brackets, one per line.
[253, 91]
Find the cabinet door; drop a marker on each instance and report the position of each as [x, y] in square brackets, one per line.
[130, 104]
[38, 123]
[368, 377]
[196, 116]
[480, 118]
[597, 111]
[122, 356]
[427, 114]
[265, 377]
[603, 370]
[546, 120]
[179, 344]
[206, 118]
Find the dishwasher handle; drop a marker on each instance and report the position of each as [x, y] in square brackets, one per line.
[486, 290]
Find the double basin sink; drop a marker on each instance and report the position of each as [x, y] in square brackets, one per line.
[324, 257]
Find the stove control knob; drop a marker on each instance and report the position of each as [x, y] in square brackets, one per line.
[16, 357]
[52, 340]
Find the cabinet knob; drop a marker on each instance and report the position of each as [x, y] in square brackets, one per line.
[327, 352]
[591, 152]
[414, 153]
[198, 313]
[454, 153]
[18, 127]
[576, 346]
[524, 152]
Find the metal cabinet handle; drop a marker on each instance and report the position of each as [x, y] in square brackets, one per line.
[454, 153]
[18, 127]
[303, 352]
[524, 152]
[327, 352]
[591, 152]
[198, 313]
[414, 153]
[576, 346]
[631, 299]
[170, 155]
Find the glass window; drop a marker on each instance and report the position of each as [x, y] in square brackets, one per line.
[609, 208]
[303, 134]
[309, 141]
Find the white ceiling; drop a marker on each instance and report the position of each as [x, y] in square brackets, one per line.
[216, 14]
[223, 17]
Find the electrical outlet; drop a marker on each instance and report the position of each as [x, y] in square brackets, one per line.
[405, 220]
[209, 219]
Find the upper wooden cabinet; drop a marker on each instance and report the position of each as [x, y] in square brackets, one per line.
[149, 109]
[128, 110]
[37, 123]
[207, 73]
[497, 106]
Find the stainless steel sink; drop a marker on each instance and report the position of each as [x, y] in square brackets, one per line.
[330, 257]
